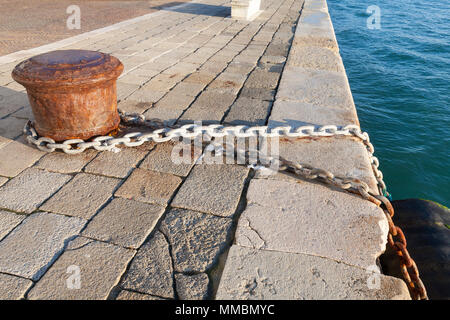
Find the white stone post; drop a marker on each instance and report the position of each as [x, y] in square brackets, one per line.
[245, 9]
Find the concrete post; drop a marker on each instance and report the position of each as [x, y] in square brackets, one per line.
[245, 9]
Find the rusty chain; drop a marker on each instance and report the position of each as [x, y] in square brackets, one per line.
[396, 238]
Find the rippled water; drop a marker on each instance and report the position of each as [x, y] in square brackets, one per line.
[400, 80]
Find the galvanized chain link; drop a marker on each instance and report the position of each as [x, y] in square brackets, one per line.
[396, 238]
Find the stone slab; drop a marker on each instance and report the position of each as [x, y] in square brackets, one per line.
[300, 214]
[149, 186]
[3, 180]
[261, 78]
[130, 295]
[8, 221]
[118, 165]
[318, 58]
[21, 193]
[269, 275]
[65, 163]
[82, 196]
[316, 87]
[212, 188]
[92, 261]
[124, 222]
[192, 287]
[151, 270]
[30, 249]
[249, 112]
[16, 157]
[13, 288]
[196, 239]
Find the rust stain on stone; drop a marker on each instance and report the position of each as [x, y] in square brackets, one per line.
[72, 93]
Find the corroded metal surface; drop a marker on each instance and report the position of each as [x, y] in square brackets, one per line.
[72, 92]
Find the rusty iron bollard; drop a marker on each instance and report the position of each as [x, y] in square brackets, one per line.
[72, 93]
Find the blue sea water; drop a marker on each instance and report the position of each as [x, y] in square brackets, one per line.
[400, 80]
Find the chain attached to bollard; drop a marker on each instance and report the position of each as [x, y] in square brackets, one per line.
[396, 238]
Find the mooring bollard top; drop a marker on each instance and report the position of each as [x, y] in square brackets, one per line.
[67, 68]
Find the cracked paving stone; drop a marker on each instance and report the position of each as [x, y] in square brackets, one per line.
[124, 222]
[192, 287]
[32, 247]
[151, 270]
[99, 266]
[82, 196]
[149, 186]
[13, 288]
[251, 274]
[21, 194]
[212, 188]
[130, 295]
[197, 239]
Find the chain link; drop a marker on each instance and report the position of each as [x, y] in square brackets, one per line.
[396, 239]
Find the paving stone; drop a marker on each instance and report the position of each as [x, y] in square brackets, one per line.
[187, 88]
[8, 221]
[317, 58]
[117, 165]
[193, 287]
[246, 111]
[13, 288]
[3, 180]
[228, 80]
[65, 163]
[257, 93]
[21, 194]
[169, 108]
[160, 159]
[125, 89]
[133, 106]
[130, 295]
[317, 87]
[32, 247]
[151, 269]
[134, 79]
[315, 29]
[296, 114]
[270, 275]
[295, 208]
[149, 186]
[11, 127]
[83, 196]
[146, 95]
[212, 188]
[197, 239]
[16, 157]
[200, 77]
[262, 79]
[98, 275]
[210, 107]
[124, 222]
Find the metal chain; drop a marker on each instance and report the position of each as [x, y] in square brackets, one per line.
[396, 238]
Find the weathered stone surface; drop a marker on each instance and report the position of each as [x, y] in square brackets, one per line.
[250, 112]
[193, 287]
[130, 295]
[212, 188]
[65, 163]
[357, 235]
[296, 114]
[187, 88]
[13, 288]
[11, 127]
[124, 222]
[196, 238]
[117, 165]
[149, 186]
[257, 93]
[209, 107]
[32, 247]
[262, 79]
[169, 108]
[151, 269]
[8, 221]
[3, 180]
[160, 159]
[266, 275]
[16, 157]
[318, 58]
[22, 193]
[317, 87]
[82, 196]
[146, 95]
[134, 106]
[99, 265]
